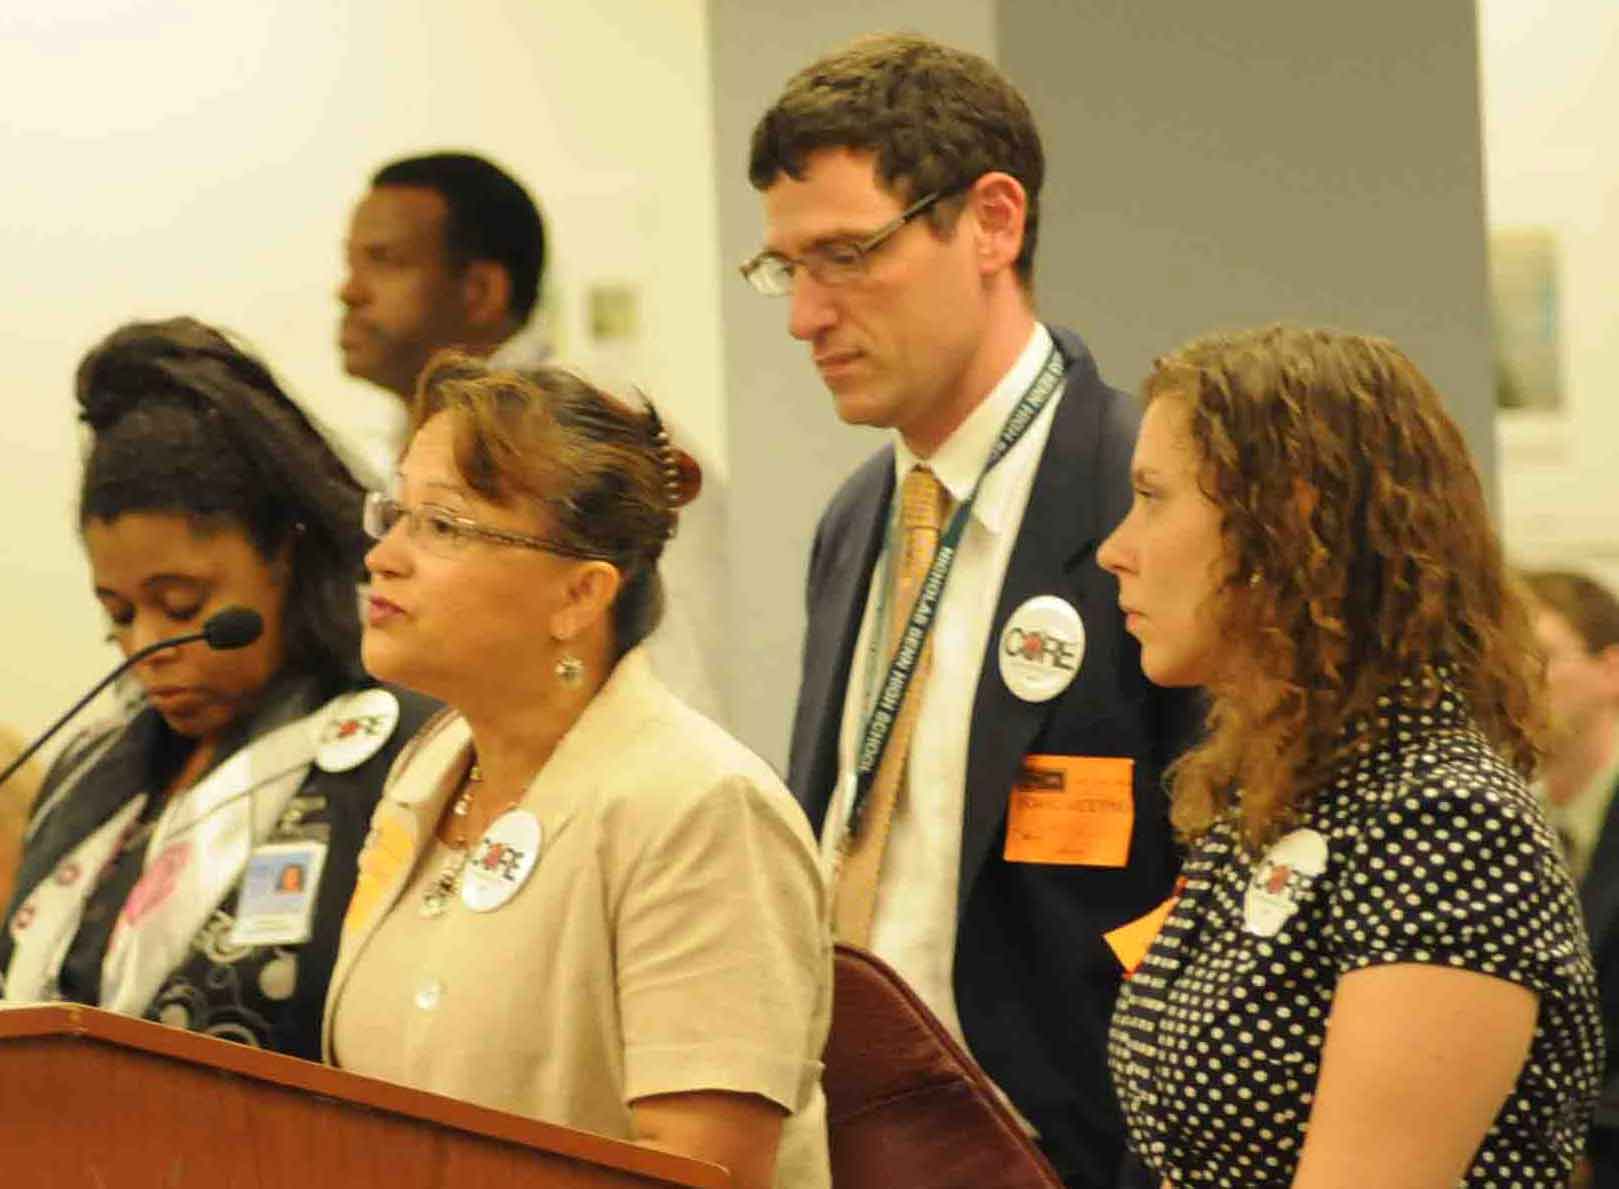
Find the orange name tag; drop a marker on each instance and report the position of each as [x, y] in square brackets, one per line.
[1076, 810]
[1131, 942]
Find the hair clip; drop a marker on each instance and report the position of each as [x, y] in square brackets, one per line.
[666, 462]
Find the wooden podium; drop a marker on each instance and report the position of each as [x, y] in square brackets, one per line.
[100, 1101]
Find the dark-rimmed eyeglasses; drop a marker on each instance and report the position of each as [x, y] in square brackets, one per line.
[446, 533]
[836, 262]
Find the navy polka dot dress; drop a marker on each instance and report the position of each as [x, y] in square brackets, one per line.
[1426, 849]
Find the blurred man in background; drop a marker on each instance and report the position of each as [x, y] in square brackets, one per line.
[1577, 624]
[444, 250]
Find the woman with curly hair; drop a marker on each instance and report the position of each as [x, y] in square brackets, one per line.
[1374, 971]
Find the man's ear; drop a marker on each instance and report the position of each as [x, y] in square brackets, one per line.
[998, 205]
[587, 598]
[486, 293]
[1607, 660]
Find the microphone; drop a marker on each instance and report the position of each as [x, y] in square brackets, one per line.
[234, 627]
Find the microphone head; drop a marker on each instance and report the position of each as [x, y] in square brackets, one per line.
[234, 627]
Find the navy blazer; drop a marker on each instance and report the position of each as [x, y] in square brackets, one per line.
[1034, 979]
[1599, 901]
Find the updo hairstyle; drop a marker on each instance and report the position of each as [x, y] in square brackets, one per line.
[605, 473]
[183, 422]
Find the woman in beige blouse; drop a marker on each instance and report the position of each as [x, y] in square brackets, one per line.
[580, 900]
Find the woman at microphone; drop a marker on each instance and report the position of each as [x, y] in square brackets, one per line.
[149, 881]
[580, 900]
[1375, 971]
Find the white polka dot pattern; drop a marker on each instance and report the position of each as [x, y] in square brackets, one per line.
[1436, 853]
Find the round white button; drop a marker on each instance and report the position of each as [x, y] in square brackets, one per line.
[1041, 648]
[356, 730]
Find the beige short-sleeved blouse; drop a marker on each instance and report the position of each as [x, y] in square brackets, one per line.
[672, 936]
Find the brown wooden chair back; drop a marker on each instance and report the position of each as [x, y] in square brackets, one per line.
[906, 1106]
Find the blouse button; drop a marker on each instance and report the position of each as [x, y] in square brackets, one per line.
[429, 993]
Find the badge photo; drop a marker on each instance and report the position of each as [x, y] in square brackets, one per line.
[276, 901]
[356, 730]
[1280, 880]
[1041, 648]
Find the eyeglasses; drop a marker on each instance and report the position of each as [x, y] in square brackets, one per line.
[835, 263]
[443, 532]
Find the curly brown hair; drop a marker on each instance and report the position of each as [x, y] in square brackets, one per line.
[936, 118]
[605, 473]
[1363, 567]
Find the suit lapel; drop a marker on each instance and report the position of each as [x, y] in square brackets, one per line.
[1599, 890]
[837, 606]
[1057, 535]
[427, 771]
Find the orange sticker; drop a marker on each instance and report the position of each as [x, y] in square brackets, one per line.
[1076, 810]
[1131, 942]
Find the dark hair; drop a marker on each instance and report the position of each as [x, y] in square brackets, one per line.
[491, 217]
[1362, 566]
[186, 423]
[1590, 608]
[937, 119]
[606, 473]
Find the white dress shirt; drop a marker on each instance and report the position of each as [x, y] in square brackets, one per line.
[914, 928]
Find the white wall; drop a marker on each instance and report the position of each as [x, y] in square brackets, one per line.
[1551, 91]
[201, 156]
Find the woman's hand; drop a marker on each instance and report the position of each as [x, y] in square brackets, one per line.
[1417, 1062]
[739, 1131]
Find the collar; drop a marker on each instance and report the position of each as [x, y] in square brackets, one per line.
[527, 347]
[960, 459]
[628, 700]
[1583, 816]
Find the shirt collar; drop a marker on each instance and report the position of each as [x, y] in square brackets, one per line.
[960, 459]
[1583, 816]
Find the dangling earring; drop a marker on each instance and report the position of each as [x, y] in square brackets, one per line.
[570, 669]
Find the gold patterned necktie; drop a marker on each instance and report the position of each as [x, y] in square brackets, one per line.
[923, 501]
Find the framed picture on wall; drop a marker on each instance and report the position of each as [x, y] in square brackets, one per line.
[1525, 305]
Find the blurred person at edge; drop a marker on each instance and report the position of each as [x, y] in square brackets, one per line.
[1576, 620]
[16, 796]
[1375, 972]
[681, 995]
[448, 250]
[154, 837]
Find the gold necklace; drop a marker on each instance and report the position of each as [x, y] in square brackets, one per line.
[436, 900]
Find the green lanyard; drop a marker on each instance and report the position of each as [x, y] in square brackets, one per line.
[884, 712]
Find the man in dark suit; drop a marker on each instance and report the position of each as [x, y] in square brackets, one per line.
[1576, 621]
[1012, 816]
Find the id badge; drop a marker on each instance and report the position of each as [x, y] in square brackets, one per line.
[276, 905]
[1071, 810]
